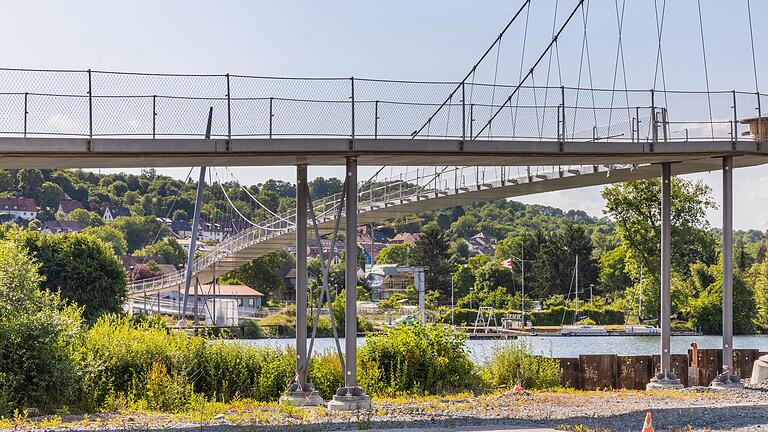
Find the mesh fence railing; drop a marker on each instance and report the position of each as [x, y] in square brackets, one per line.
[82, 103]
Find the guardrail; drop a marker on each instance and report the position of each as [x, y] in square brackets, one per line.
[104, 104]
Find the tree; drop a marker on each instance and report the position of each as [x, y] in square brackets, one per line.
[118, 188]
[139, 231]
[613, 275]
[431, 251]
[706, 311]
[50, 195]
[395, 254]
[111, 236]
[37, 330]
[180, 215]
[262, 274]
[465, 226]
[167, 248]
[30, 181]
[82, 268]
[636, 208]
[7, 182]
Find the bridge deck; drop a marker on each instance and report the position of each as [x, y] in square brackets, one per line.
[141, 153]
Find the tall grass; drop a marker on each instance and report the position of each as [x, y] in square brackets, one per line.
[513, 362]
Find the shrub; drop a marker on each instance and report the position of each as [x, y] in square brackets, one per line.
[37, 330]
[159, 391]
[514, 361]
[116, 353]
[415, 359]
[326, 373]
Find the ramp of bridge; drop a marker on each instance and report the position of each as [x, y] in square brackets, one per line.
[445, 187]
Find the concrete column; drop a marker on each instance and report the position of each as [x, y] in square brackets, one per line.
[350, 275]
[666, 263]
[301, 275]
[666, 378]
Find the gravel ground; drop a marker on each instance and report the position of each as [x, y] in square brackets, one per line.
[692, 409]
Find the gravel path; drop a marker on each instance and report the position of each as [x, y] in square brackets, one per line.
[693, 409]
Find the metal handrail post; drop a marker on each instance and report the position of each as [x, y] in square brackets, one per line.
[90, 109]
[154, 116]
[26, 106]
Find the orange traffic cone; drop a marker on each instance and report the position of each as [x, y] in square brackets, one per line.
[518, 389]
[648, 425]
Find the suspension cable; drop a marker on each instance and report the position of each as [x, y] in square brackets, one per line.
[706, 71]
[474, 68]
[752, 41]
[530, 72]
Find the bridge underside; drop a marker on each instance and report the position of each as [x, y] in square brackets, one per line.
[16, 153]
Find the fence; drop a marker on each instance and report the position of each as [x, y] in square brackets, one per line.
[101, 104]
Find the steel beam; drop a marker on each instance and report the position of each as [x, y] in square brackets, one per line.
[350, 275]
[728, 263]
[196, 222]
[301, 275]
[666, 262]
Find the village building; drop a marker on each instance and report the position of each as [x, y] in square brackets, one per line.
[56, 227]
[19, 208]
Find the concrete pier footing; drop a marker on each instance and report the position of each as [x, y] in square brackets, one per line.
[664, 381]
[350, 399]
[307, 396]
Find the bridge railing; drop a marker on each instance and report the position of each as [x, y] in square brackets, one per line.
[102, 104]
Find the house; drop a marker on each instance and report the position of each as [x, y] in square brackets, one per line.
[206, 231]
[114, 211]
[67, 205]
[405, 238]
[56, 227]
[130, 262]
[482, 244]
[248, 299]
[386, 279]
[19, 208]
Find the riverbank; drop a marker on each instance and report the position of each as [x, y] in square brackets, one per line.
[694, 409]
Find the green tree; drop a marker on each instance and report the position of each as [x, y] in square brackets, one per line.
[30, 182]
[50, 195]
[37, 330]
[263, 274]
[613, 274]
[636, 209]
[394, 254]
[118, 188]
[465, 226]
[7, 181]
[706, 311]
[111, 236]
[81, 267]
[167, 248]
[431, 251]
[139, 231]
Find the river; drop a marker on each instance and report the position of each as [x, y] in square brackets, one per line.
[563, 346]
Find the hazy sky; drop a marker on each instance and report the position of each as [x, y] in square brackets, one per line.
[398, 39]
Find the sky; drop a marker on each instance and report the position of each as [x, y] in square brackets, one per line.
[399, 39]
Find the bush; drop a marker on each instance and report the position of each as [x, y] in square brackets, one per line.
[326, 373]
[37, 331]
[514, 361]
[81, 267]
[117, 353]
[415, 359]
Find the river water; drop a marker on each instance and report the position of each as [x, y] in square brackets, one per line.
[563, 346]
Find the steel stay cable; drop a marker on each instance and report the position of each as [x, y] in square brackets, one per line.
[326, 268]
[520, 73]
[530, 72]
[706, 70]
[474, 68]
